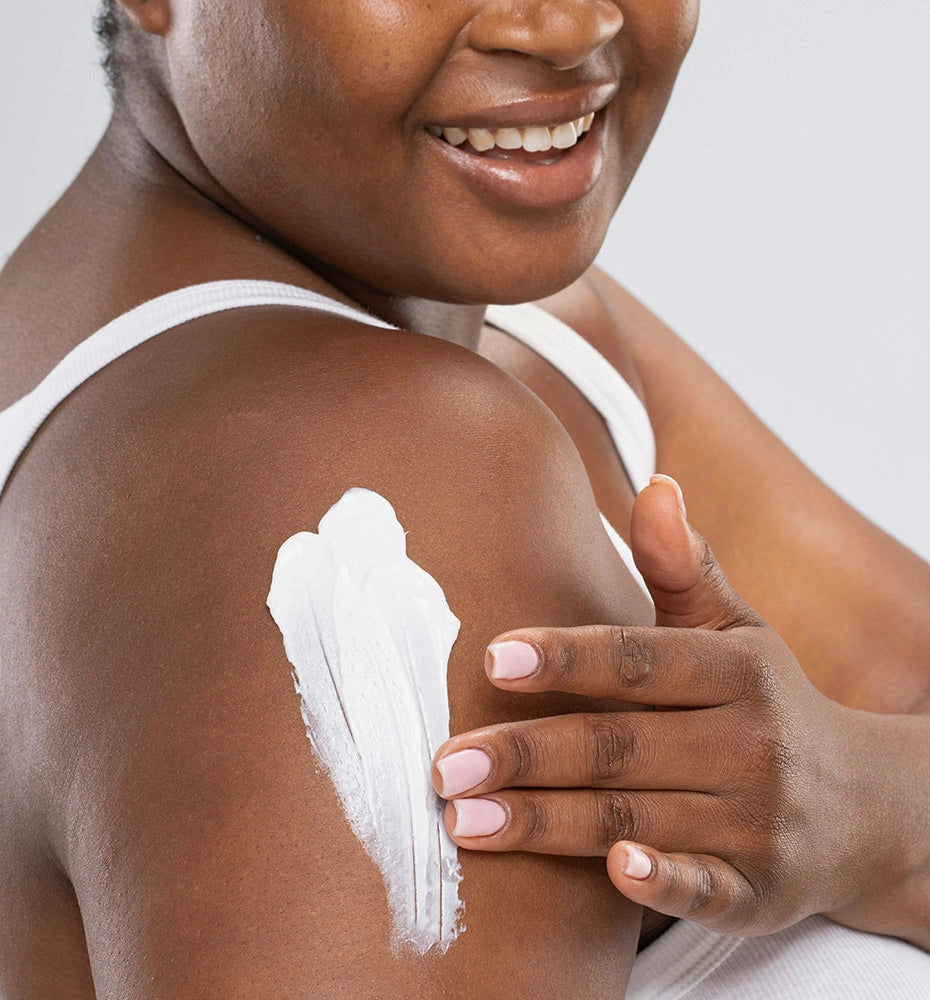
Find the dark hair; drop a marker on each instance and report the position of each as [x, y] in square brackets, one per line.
[106, 25]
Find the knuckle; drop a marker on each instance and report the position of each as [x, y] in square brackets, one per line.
[759, 676]
[523, 753]
[773, 763]
[631, 658]
[765, 891]
[772, 760]
[765, 821]
[535, 821]
[782, 759]
[710, 569]
[764, 824]
[613, 748]
[702, 889]
[561, 656]
[615, 820]
[726, 901]
[735, 612]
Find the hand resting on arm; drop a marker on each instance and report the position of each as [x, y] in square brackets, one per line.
[746, 792]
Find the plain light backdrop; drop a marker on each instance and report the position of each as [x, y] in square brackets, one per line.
[781, 221]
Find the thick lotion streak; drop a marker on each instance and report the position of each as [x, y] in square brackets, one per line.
[369, 633]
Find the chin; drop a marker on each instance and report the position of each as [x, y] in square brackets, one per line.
[505, 272]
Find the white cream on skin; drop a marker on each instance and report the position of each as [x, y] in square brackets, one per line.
[369, 633]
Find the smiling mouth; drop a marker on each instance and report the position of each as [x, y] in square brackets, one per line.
[506, 142]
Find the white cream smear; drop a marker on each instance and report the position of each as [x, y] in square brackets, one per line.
[369, 633]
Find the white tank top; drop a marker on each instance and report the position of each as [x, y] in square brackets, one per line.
[815, 960]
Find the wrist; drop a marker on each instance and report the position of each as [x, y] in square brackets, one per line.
[883, 879]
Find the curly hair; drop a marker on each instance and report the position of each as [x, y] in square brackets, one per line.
[106, 25]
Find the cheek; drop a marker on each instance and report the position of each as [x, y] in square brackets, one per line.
[663, 32]
[659, 35]
[686, 21]
[283, 72]
[370, 59]
[278, 106]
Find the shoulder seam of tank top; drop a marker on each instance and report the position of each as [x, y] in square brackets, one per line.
[594, 376]
[135, 327]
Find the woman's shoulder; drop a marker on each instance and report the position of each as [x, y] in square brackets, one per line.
[161, 489]
[282, 376]
[144, 528]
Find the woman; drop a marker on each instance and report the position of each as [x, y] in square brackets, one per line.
[168, 829]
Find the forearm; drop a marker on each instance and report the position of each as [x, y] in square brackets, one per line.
[889, 789]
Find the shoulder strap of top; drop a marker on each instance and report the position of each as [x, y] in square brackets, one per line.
[594, 376]
[605, 388]
[19, 423]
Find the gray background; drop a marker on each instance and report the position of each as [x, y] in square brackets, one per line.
[781, 222]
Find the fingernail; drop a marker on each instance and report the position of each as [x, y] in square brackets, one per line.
[477, 817]
[463, 770]
[668, 481]
[637, 865]
[512, 660]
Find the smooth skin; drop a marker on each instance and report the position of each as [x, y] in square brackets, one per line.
[164, 828]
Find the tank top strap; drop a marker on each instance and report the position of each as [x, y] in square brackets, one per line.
[604, 388]
[19, 422]
[594, 376]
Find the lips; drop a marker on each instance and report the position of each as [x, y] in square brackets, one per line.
[505, 157]
[519, 180]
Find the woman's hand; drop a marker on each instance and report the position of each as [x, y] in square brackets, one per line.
[745, 801]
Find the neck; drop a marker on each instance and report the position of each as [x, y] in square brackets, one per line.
[458, 323]
[200, 205]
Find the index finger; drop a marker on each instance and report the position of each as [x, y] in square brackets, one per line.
[689, 668]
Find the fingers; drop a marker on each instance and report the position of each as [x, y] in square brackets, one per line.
[636, 750]
[575, 822]
[696, 887]
[650, 666]
[689, 588]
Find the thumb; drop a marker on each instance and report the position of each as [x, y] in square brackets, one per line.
[687, 584]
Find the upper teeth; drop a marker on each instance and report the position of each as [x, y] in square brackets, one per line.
[535, 139]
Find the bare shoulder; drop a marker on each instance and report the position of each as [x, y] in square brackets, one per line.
[206, 847]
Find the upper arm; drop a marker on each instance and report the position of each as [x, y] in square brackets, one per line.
[208, 850]
[849, 600]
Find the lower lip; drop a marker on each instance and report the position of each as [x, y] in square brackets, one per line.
[566, 180]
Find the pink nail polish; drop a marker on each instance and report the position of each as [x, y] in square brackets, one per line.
[463, 770]
[512, 660]
[638, 864]
[477, 817]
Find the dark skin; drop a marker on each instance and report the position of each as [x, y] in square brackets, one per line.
[168, 827]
